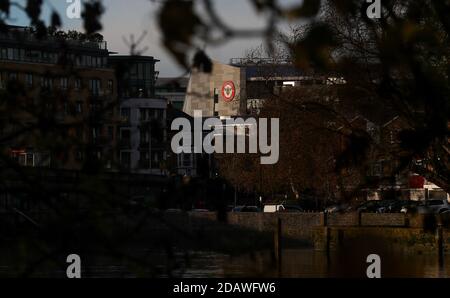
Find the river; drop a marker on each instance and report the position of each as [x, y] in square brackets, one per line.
[296, 263]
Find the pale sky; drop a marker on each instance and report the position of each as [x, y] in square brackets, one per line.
[125, 17]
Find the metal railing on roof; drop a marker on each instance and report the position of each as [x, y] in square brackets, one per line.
[259, 61]
[26, 35]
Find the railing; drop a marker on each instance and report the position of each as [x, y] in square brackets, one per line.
[28, 36]
[258, 61]
[144, 163]
[125, 144]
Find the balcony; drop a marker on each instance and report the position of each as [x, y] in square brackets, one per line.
[102, 141]
[144, 145]
[124, 121]
[144, 164]
[125, 144]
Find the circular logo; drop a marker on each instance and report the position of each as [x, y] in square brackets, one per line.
[228, 91]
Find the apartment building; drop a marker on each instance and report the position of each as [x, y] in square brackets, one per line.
[59, 100]
[143, 141]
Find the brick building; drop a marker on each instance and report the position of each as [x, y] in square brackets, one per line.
[59, 100]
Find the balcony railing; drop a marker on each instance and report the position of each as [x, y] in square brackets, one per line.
[125, 144]
[144, 145]
[144, 164]
[26, 35]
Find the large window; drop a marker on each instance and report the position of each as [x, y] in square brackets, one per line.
[125, 159]
[47, 83]
[151, 114]
[29, 80]
[64, 83]
[3, 80]
[95, 86]
[110, 86]
[125, 114]
[78, 84]
[4, 53]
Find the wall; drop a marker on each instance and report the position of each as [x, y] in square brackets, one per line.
[378, 232]
[417, 233]
[134, 124]
[200, 93]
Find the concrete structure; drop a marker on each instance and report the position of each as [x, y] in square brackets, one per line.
[255, 81]
[220, 93]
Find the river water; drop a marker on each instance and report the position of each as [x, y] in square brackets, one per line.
[296, 263]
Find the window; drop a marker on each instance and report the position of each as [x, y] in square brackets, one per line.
[15, 54]
[46, 57]
[66, 108]
[89, 61]
[77, 84]
[64, 83]
[111, 132]
[79, 107]
[2, 80]
[29, 80]
[13, 76]
[186, 160]
[24, 158]
[142, 114]
[144, 160]
[94, 86]
[125, 159]
[96, 132]
[80, 155]
[144, 136]
[110, 86]
[156, 157]
[377, 169]
[125, 135]
[79, 132]
[4, 53]
[159, 114]
[125, 114]
[10, 53]
[47, 83]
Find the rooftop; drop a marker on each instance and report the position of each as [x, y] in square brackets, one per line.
[28, 36]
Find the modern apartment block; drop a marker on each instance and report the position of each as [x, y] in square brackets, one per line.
[59, 100]
[143, 129]
[172, 89]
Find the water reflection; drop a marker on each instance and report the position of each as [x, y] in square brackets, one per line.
[296, 263]
[307, 263]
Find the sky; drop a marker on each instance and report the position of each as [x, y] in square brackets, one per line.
[125, 17]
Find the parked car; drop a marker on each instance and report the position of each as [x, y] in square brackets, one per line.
[338, 208]
[246, 209]
[390, 206]
[272, 208]
[292, 208]
[372, 207]
[433, 206]
[173, 210]
[394, 206]
[200, 210]
[409, 206]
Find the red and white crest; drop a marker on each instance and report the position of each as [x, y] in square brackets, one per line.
[228, 91]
